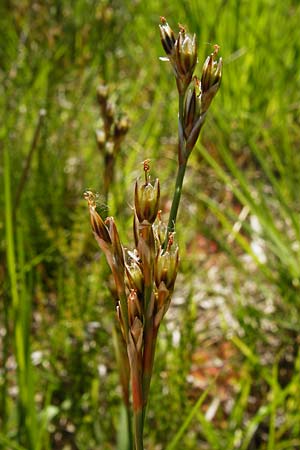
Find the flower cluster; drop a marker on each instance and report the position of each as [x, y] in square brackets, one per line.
[196, 95]
[144, 278]
[110, 136]
[181, 52]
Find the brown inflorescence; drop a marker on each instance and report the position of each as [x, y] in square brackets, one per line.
[144, 279]
[181, 52]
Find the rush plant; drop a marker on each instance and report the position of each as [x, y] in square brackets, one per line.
[145, 277]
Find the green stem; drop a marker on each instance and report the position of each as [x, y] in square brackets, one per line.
[129, 426]
[26, 170]
[19, 344]
[182, 162]
[5, 355]
[176, 200]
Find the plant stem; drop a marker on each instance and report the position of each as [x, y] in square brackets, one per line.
[182, 162]
[129, 426]
[138, 430]
[124, 371]
[148, 306]
[5, 354]
[124, 314]
[137, 402]
[19, 344]
[180, 107]
[148, 361]
[176, 200]
[26, 170]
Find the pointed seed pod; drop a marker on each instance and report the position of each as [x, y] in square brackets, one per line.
[166, 266]
[186, 54]
[99, 228]
[100, 138]
[134, 307]
[135, 277]
[163, 297]
[102, 93]
[160, 229]
[121, 127]
[117, 247]
[146, 200]
[167, 36]
[181, 52]
[211, 79]
[147, 251]
[190, 109]
[136, 332]
[110, 110]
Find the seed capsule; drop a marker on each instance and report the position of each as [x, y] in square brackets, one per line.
[146, 198]
[167, 36]
[102, 93]
[211, 79]
[181, 52]
[99, 228]
[166, 266]
[160, 229]
[117, 248]
[135, 277]
[186, 54]
[134, 307]
[190, 111]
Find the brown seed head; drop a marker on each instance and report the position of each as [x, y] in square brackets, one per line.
[101, 138]
[136, 332]
[110, 110]
[135, 277]
[134, 307]
[211, 79]
[146, 198]
[160, 229]
[186, 54]
[181, 52]
[166, 266]
[121, 127]
[191, 111]
[102, 94]
[167, 36]
[98, 226]
[117, 249]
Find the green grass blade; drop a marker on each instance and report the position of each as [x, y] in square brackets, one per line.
[9, 444]
[189, 418]
[209, 432]
[253, 425]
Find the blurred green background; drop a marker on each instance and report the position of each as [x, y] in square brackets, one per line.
[233, 326]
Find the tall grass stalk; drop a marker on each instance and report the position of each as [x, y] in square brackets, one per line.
[26, 170]
[145, 278]
[21, 320]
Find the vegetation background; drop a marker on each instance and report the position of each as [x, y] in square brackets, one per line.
[232, 331]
